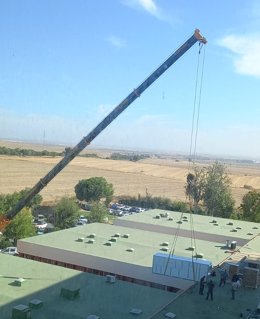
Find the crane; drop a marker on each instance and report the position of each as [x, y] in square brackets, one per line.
[86, 140]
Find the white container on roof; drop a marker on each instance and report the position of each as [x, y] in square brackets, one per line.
[181, 267]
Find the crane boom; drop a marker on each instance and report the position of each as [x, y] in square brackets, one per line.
[86, 140]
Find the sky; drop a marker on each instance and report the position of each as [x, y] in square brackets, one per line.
[64, 65]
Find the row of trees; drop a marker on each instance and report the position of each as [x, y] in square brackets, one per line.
[150, 202]
[128, 157]
[208, 190]
[26, 152]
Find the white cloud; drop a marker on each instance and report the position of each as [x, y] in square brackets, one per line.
[117, 42]
[149, 6]
[245, 53]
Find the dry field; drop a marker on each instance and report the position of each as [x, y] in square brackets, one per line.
[159, 177]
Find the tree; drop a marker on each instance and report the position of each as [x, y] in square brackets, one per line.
[21, 226]
[195, 185]
[94, 189]
[98, 213]
[66, 213]
[212, 187]
[217, 195]
[251, 206]
[8, 201]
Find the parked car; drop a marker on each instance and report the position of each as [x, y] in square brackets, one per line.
[83, 219]
[41, 225]
[10, 251]
[80, 223]
[40, 217]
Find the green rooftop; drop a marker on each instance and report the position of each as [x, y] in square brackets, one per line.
[44, 282]
[203, 224]
[143, 243]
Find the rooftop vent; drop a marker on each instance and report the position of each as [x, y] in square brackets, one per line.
[135, 311]
[35, 304]
[164, 214]
[233, 245]
[108, 243]
[165, 243]
[21, 312]
[227, 243]
[18, 281]
[110, 279]
[130, 250]
[170, 315]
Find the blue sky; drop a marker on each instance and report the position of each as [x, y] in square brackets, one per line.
[65, 64]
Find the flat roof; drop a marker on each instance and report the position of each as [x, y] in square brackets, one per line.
[229, 228]
[131, 253]
[144, 244]
[97, 297]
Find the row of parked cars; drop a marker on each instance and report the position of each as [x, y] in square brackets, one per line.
[124, 210]
[40, 223]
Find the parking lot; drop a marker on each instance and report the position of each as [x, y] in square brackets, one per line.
[120, 210]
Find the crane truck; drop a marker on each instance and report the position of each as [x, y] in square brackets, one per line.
[86, 140]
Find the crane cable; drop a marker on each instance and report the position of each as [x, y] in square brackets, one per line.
[193, 144]
[195, 107]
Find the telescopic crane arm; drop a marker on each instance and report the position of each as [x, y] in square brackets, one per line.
[196, 37]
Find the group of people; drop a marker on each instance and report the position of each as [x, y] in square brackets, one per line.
[208, 281]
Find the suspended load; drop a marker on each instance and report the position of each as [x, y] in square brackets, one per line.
[181, 267]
